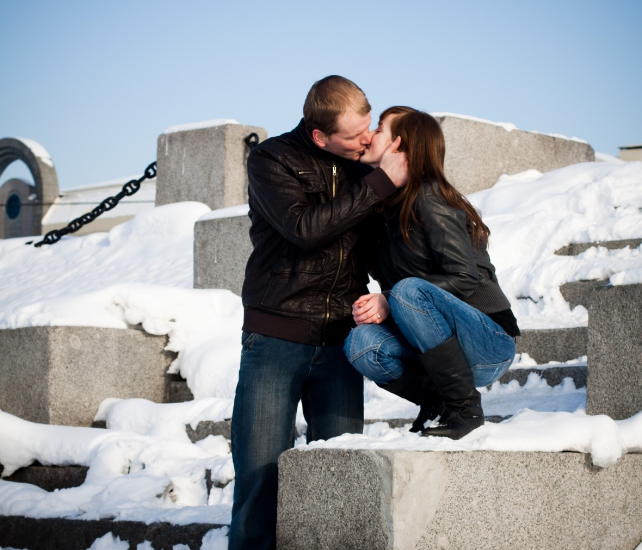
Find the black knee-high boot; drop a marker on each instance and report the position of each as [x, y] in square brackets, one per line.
[414, 386]
[448, 368]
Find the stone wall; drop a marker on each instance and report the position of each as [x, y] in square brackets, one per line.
[478, 152]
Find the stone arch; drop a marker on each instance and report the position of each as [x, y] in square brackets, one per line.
[37, 159]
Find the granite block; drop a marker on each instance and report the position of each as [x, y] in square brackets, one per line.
[478, 152]
[614, 383]
[60, 375]
[402, 500]
[221, 250]
[207, 165]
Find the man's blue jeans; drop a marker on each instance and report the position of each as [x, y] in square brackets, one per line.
[274, 376]
[424, 316]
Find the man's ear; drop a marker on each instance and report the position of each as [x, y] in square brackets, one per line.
[319, 138]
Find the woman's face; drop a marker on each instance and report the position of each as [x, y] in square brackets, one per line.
[380, 141]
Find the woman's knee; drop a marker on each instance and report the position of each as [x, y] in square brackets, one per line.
[360, 339]
[414, 293]
[414, 289]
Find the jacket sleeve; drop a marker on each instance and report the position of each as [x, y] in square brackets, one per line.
[448, 240]
[279, 197]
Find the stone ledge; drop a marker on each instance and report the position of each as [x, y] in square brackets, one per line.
[354, 499]
[581, 292]
[558, 344]
[574, 249]
[553, 375]
[70, 534]
[479, 152]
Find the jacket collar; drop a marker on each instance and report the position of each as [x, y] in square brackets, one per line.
[305, 140]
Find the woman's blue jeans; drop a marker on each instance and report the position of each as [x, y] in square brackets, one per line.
[274, 376]
[424, 316]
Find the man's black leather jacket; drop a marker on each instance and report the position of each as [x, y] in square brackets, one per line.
[311, 236]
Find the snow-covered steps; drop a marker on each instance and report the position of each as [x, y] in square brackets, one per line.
[558, 344]
[484, 500]
[581, 292]
[71, 534]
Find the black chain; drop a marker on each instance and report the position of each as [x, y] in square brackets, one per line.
[252, 140]
[110, 202]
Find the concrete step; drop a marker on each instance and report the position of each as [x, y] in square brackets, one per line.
[577, 248]
[558, 344]
[49, 478]
[484, 500]
[553, 375]
[70, 534]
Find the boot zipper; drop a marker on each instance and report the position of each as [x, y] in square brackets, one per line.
[336, 276]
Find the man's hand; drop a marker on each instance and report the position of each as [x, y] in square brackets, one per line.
[395, 164]
[370, 308]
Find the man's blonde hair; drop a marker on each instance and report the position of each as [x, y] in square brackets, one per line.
[328, 99]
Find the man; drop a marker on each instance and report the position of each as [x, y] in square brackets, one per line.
[309, 202]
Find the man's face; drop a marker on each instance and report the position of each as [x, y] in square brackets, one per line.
[351, 139]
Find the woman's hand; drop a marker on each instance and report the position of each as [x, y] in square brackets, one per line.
[370, 308]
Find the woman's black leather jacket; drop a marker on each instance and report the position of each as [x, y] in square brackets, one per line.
[441, 252]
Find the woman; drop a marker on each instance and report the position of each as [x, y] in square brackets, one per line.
[442, 326]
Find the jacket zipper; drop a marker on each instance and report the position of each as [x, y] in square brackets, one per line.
[336, 276]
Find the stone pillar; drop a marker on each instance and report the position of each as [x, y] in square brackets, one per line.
[204, 163]
[222, 247]
[614, 385]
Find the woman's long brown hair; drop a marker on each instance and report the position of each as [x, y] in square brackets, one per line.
[423, 142]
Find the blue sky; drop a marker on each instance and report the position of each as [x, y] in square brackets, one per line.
[96, 82]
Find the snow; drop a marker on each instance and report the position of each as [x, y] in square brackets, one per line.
[229, 212]
[199, 125]
[143, 467]
[604, 438]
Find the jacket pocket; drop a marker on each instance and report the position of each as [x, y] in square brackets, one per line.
[296, 284]
[311, 182]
